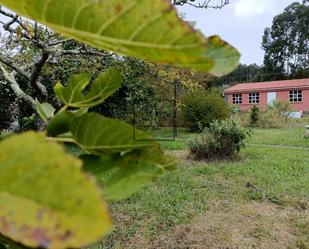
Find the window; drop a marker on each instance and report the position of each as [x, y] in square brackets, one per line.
[254, 98]
[296, 96]
[237, 98]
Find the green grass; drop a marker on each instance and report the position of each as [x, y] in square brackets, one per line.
[268, 184]
[279, 176]
[166, 133]
[285, 136]
[293, 136]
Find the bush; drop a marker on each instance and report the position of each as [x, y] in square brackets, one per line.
[254, 116]
[271, 119]
[223, 139]
[200, 109]
[281, 108]
[276, 115]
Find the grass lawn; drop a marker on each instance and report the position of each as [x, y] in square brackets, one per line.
[286, 136]
[258, 201]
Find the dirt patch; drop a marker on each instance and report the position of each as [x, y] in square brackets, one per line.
[184, 157]
[247, 225]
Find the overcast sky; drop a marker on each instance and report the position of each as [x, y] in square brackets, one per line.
[241, 23]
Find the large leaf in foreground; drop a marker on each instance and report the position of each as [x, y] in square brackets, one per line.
[45, 199]
[123, 175]
[147, 29]
[101, 88]
[98, 135]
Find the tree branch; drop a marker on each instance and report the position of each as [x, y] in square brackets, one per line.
[9, 63]
[16, 88]
[206, 4]
[83, 52]
[37, 68]
[33, 78]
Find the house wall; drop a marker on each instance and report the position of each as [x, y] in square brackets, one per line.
[281, 96]
[300, 106]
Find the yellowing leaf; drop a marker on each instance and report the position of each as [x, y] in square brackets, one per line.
[102, 87]
[45, 199]
[146, 29]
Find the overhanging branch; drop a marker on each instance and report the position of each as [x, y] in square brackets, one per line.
[205, 4]
[16, 88]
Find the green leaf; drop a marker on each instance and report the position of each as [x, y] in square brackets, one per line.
[146, 29]
[102, 87]
[45, 110]
[60, 123]
[45, 199]
[97, 135]
[123, 175]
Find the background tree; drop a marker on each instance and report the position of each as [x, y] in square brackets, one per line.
[32, 59]
[243, 73]
[286, 43]
[27, 48]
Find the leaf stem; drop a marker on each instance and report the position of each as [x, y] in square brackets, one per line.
[63, 109]
[61, 140]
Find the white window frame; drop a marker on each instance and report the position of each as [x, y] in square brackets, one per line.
[237, 98]
[254, 98]
[296, 96]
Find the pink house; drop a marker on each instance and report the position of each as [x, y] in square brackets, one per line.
[264, 93]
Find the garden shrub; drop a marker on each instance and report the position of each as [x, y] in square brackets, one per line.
[282, 109]
[222, 139]
[201, 108]
[242, 117]
[271, 119]
[277, 115]
[254, 116]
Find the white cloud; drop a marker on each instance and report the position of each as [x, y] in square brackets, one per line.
[253, 8]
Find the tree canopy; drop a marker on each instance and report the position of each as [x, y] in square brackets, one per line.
[286, 43]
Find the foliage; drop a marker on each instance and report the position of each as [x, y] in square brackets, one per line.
[6, 97]
[254, 116]
[282, 108]
[277, 115]
[286, 43]
[187, 49]
[222, 139]
[271, 119]
[63, 212]
[243, 73]
[201, 108]
[136, 98]
[102, 87]
[45, 198]
[103, 140]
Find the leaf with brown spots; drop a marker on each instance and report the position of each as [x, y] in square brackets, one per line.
[149, 30]
[45, 199]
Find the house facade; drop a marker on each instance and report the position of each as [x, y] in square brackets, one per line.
[263, 94]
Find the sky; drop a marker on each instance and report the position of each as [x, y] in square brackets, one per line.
[241, 24]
